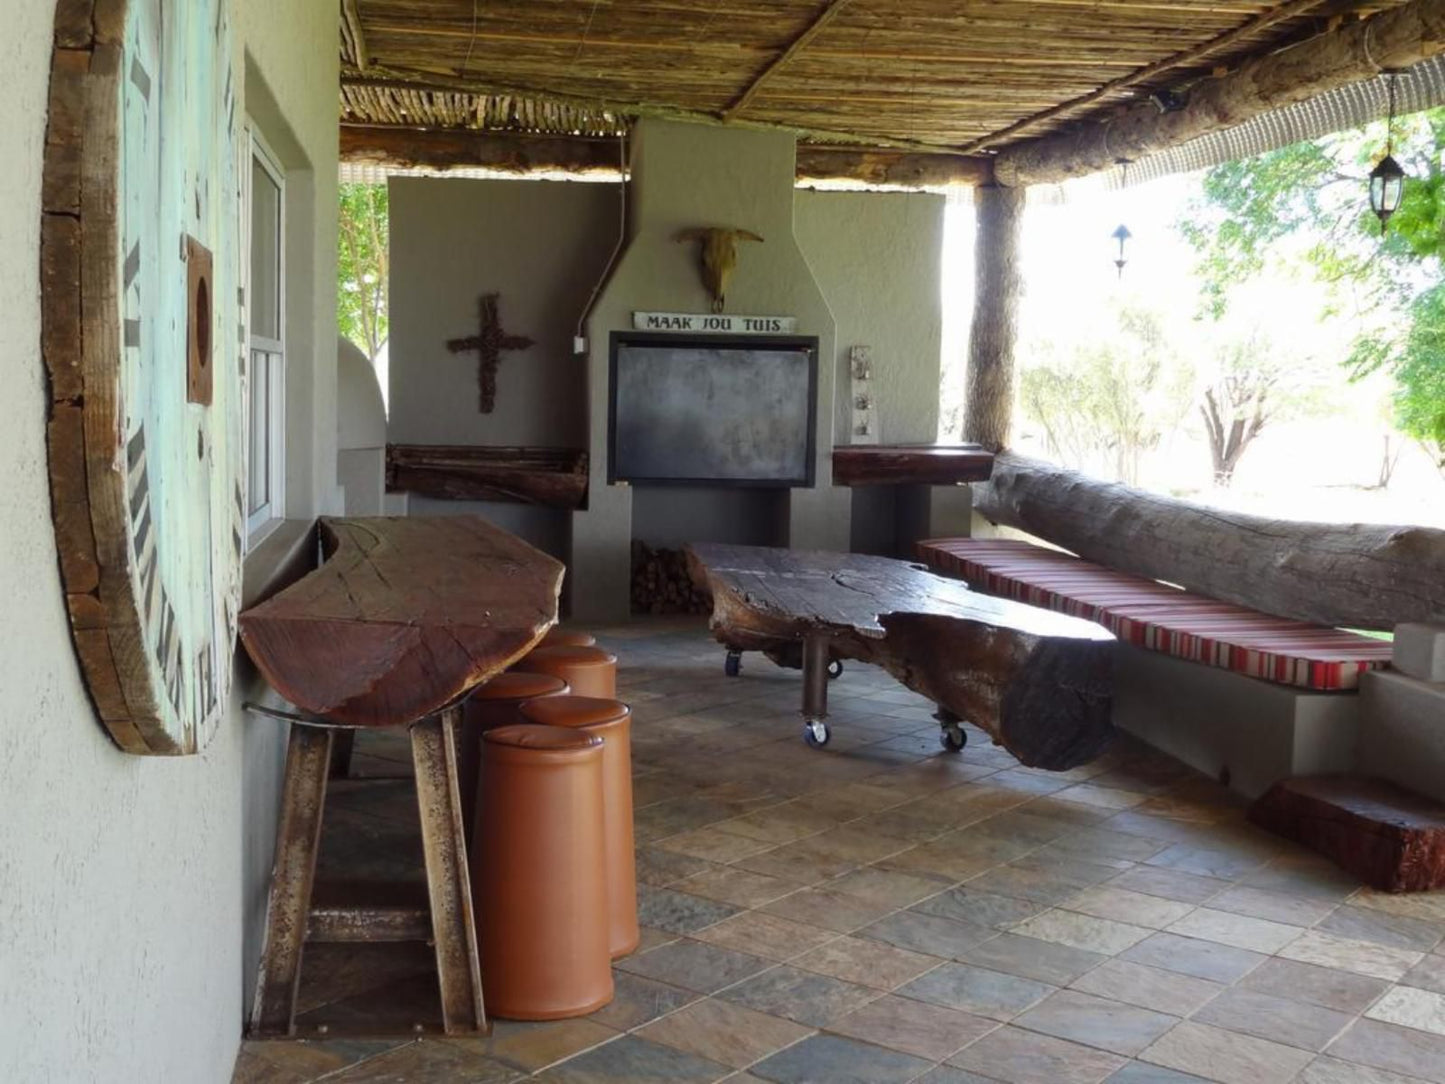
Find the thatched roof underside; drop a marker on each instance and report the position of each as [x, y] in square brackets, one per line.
[957, 75]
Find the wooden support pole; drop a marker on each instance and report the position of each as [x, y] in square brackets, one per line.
[351, 23]
[1353, 575]
[1360, 50]
[988, 406]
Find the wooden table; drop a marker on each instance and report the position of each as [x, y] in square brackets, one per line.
[401, 620]
[1038, 682]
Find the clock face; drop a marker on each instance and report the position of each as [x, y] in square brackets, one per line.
[168, 514]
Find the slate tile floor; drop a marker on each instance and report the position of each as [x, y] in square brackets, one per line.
[882, 912]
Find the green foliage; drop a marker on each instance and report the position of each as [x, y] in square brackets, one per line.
[361, 266]
[1306, 206]
[1247, 206]
[1110, 396]
[1420, 374]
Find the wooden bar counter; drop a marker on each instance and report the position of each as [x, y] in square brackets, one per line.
[403, 617]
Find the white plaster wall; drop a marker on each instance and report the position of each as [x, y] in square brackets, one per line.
[543, 245]
[360, 431]
[360, 413]
[878, 257]
[124, 889]
[291, 68]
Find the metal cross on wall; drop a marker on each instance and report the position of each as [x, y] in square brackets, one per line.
[489, 342]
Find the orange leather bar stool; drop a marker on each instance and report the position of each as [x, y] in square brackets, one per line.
[610, 720]
[491, 705]
[590, 671]
[539, 881]
[560, 637]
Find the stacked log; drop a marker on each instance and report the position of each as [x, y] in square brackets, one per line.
[661, 583]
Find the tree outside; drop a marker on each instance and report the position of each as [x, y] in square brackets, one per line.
[361, 267]
[1303, 208]
[1106, 396]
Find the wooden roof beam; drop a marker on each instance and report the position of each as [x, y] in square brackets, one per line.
[1360, 50]
[1188, 56]
[523, 153]
[820, 22]
[351, 25]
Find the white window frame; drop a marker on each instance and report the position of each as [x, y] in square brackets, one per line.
[265, 356]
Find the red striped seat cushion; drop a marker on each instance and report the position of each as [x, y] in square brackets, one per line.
[1159, 617]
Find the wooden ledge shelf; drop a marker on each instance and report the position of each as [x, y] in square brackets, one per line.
[910, 464]
[553, 477]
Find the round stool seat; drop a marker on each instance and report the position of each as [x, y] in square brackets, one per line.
[576, 712]
[539, 882]
[560, 637]
[540, 742]
[590, 671]
[491, 705]
[519, 685]
[610, 720]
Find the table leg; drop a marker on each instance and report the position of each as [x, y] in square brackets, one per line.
[815, 689]
[288, 904]
[434, 754]
[342, 743]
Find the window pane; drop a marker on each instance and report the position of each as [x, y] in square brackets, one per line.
[260, 432]
[265, 314]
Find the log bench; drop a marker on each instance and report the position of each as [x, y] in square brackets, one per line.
[1244, 696]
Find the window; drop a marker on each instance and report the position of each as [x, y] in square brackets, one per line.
[265, 188]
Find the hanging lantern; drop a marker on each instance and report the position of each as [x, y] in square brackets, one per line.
[1122, 234]
[1387, 189]
[1387, 179]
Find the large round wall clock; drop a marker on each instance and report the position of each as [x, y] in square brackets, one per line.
[143, 339]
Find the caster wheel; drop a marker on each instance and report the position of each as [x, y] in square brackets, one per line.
[835, 669]
[953, 738]
[816, 733]
[733, 664]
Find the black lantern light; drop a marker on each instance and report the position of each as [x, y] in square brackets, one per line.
[1387, 179]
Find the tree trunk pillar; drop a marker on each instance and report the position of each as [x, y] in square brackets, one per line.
[988, 407]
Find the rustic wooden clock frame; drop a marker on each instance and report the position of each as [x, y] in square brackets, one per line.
[97, 475]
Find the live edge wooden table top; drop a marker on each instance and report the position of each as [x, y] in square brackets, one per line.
[1038, 682]
[402, 617]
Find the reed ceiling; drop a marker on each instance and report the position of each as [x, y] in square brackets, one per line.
[959, 75]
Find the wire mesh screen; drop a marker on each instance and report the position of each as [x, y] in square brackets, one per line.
[1417, 88]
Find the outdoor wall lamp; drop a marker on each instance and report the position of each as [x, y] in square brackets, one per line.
[1387, 179]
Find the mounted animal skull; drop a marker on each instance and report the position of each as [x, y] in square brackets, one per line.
[718, 255]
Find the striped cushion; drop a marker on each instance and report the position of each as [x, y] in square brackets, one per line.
[1159, 617]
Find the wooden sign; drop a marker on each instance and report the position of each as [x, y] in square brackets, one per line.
[714, 323]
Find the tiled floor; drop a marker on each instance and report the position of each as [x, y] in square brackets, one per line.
[883, 912]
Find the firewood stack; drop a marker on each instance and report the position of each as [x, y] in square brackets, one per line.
[661, 583]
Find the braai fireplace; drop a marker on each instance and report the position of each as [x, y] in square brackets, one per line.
[717, 410]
